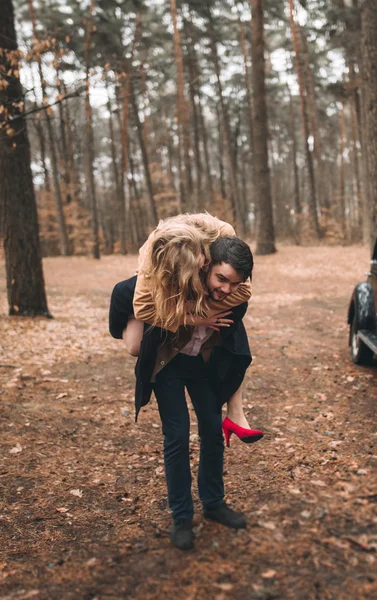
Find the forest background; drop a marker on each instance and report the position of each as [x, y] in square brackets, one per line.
[263, 113]
[114, 114]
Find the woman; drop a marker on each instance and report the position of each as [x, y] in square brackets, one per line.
[170, 292]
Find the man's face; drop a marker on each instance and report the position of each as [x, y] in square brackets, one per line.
[222, 281]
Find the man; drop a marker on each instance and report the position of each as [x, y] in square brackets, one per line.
[168, 363]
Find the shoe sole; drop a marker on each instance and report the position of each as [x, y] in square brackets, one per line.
[251, 439]
[241, 526]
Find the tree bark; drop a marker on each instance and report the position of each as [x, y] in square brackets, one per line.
[342, 182]
[18, 211]
[249, 96]
[182, 116]
[265, 226]
[63, 235]
[227, 137]
[119, 195]
[63, 136]
[91, 187]
[305, 127]
[322, 199]
[369, 52]
[153, 216]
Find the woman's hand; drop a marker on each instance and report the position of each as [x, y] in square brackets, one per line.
[215, 322]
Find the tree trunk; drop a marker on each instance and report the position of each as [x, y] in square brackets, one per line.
[356, 162]
[119, 195]
[166, 141]
[265, 228]
[342, 183]
[18, 211]
[90, 183]
[63, 235]
[63, 137]
[195, 122]
[296, 194]
[249, 97]
[227, 137]
[182, 115]
[322, 199]
[153, 216]
[42, 146]
[305, 127]
[221, 152]
[73, 167]
[369, 52]
[203, 130]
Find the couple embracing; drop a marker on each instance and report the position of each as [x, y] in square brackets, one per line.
[182, 316]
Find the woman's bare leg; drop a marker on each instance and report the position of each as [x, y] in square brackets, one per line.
[235, 410]
[132, 336]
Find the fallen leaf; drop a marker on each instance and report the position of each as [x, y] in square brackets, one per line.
[225, 587]
[16, 449]
[267, 525]
[77, 493]
[269, 574]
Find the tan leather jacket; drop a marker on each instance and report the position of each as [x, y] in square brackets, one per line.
[144, 308]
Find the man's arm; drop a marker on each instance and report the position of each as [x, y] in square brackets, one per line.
[144, 307]
[121, 306]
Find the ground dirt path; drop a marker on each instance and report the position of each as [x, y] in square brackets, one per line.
[84, 513]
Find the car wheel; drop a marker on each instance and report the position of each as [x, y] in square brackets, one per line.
[360, 353]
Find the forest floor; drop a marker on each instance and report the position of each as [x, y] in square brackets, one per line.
[84, 512]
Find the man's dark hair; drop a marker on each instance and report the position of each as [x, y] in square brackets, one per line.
[235, 252]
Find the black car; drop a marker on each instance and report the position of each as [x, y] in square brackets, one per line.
[362, 317]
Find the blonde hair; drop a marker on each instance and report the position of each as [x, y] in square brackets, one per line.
[178, 243]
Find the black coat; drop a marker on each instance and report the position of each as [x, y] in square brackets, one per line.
[227, 364]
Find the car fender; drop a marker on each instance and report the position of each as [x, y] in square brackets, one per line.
[362, 305]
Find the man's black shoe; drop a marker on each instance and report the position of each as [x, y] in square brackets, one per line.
[181, 535]
[226, 516]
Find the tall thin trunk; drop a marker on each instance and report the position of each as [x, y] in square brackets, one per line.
[122, 114]
[118, 191]
[91, 187]
[195, 123]
[139, 224]
[63, 235]
[322, 199]
[42, 146]
[342, 184]
[204, 134]
[73, 167]
[221, 153]
[42, 139]
[265, 231]
[230, 159]
[18, 210]
[305, 127]
[369, 47]
[166, 141]
[153, 216]
[356, 162]
[63, 136]
[182, 115]
[249, 96]
[296, 188]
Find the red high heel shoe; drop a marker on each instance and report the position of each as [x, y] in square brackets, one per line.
[245, 435]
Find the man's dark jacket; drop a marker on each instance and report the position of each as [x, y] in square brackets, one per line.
[227, 364]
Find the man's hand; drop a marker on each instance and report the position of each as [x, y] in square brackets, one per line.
[215, 322]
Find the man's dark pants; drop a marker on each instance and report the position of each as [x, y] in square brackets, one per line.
[190, 372]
